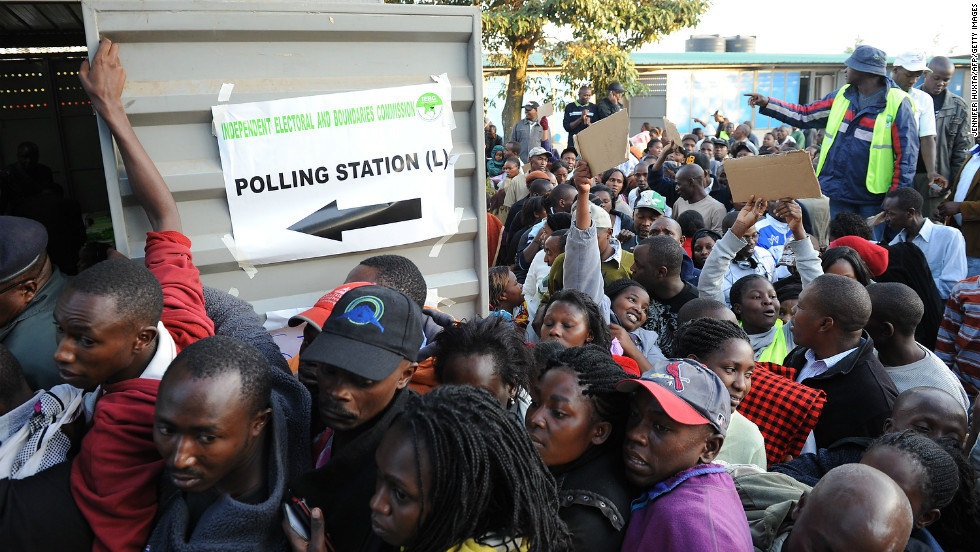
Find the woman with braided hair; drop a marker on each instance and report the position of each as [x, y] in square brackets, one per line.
[576, 422]
[457, 473]
[927, 473]
[959, 525]
[724, 348]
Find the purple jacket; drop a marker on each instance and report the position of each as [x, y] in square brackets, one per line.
[697, 509]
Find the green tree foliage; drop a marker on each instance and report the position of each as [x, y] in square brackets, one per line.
[603, 33]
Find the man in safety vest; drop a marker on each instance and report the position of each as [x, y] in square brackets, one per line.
[871, 142]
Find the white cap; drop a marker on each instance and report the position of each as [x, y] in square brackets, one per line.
[912, 61]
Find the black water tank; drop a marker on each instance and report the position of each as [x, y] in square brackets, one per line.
[740, 43]
[705, 43]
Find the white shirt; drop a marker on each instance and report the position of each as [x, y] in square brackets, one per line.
[966, 178]
[945, 251]
[765, 266]
[812, 368]
[536, 283]
[925, 112]
[773, 235]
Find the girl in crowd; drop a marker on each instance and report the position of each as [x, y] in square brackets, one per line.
[560, 169]
[576, 422]
[629, 303]
[507, 296]
[611, 204]
[756, 305]
[495, 164]
[573, 319]
[752, 297]
[615, 179]
[486, 353]
[845, 261]
[725, 349]
[702, 242]
[457, 472]
[536, 281]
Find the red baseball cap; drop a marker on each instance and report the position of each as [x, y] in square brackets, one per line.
[318, 313]
[689, 393]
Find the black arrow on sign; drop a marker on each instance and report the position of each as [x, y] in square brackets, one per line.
[330, 222]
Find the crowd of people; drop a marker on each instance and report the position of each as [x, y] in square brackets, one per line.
[661, 369]
[823, 319]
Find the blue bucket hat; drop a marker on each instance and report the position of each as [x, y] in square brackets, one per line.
[868, 59]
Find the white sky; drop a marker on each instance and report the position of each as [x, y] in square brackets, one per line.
[830, 26]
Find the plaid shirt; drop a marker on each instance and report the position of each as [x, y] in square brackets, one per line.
[958, 344]
[785, 411]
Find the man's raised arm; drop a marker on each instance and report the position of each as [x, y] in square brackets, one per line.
[103, 81]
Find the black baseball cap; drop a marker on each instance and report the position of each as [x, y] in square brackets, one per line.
[699, 159]
[369, 332]
[22, 242]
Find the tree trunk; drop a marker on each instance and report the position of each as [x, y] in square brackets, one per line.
[516, 81]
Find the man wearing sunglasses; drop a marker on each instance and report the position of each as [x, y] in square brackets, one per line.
[29, 288]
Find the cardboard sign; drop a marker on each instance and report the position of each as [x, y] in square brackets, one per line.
[670, 132]
[605, 144]
[772, 177]
[322, 175]
[546, 110]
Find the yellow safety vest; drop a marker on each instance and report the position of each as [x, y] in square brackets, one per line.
[881, 158]
[776, 351]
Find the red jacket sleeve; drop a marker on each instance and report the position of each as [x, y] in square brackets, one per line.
[168, 256]
[114, 477]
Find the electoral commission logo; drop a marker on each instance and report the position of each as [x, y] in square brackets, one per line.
[429, 107]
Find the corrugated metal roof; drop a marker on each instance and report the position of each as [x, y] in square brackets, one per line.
[41, 24]
[735, 58]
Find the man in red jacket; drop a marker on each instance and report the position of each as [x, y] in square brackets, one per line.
[113, 479]
[119, 325]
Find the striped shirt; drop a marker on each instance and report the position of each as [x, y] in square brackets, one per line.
[958, 344]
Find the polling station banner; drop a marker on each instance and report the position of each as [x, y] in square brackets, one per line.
[323, 175]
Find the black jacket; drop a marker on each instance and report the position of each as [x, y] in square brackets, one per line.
[859, 394]
[572, 112]
[605, 108]
[61, 527]
[343, 487]
[594, 498]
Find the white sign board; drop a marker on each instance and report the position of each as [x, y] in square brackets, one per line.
[322, 175]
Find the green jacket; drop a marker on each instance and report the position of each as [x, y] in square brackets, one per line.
[769, 500]
[611, 271]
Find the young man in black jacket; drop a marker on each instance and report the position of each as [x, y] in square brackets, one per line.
[364, 358]
[835, 354]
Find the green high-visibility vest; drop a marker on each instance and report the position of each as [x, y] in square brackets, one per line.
[881, 159]
[776, 351]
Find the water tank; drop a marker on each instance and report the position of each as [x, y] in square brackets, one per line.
[705, 43]
[740, 44]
